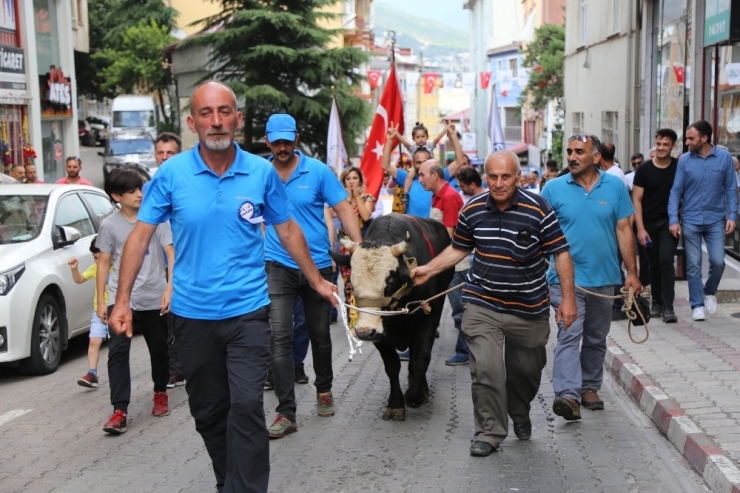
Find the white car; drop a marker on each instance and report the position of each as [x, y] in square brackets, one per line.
[41, 307]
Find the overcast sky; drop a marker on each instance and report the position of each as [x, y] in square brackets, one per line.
[449, 12]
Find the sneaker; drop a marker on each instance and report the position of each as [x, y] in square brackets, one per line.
[590, 400]
[161, 404]
[325, 404]
[116, 425]
[458, 360]
[710, 303]
[175, 382]
[669, 316]
[567, 407]
[300, 375]
[698, 314]
[404, 355]
[268, 382]
[282, 426]
[90, 380]
[655, 310]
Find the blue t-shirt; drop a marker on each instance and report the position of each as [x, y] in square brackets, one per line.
[420, 200]
[311, 185]
[452, 180]
[219, 270]
[589, 221]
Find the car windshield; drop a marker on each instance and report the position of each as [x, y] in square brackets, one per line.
[133, 119]
[131, 146]
[21, 217]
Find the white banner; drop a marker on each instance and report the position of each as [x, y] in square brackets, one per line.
[412, 80]
[448, 80]
[468, 81]
[733, 74]
[336, 154]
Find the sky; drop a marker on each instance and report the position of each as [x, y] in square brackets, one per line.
[449, 12]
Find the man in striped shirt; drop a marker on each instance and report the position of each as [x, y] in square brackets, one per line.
[506, 321]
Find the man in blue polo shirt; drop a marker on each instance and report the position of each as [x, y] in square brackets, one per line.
[594, 210]
[309, 184]
[216, 199]
[705, 188]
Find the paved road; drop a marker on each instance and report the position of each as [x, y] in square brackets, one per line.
[92, 164]
[50, 430]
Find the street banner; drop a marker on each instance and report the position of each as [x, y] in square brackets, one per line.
[390, 110]
[485, 80]
[733, 74]
[336, 153]
[468, 82]
[412, 80]
[495, 130]
[373, 78]
[430, 81]
[448, 82]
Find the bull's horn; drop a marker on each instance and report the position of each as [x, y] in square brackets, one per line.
[350, 245]
[400, 248]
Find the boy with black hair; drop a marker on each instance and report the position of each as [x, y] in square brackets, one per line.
[150, 297]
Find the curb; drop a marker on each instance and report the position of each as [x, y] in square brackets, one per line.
[703, 454]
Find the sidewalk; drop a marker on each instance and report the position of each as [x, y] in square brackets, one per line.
[686, 379]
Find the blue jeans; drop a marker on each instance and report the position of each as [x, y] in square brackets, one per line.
[455, 299]
[578, 363]
[300, 332]
[714, 237]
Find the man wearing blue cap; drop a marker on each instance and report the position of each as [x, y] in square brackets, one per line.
[309, 184]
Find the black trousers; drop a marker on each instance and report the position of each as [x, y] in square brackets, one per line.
[175, 368]
[662, 269]
[154, 329]
[225, 364]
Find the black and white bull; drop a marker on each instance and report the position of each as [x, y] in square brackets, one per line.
[381, 280]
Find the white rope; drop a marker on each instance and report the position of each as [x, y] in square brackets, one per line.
[352, 340]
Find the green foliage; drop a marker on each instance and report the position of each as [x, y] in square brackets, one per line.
[544, 55]
[273, 54]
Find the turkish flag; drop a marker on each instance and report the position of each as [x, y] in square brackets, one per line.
[430, 81]
[373, 77]
[389, 110]
[485, 80]
[680, 72]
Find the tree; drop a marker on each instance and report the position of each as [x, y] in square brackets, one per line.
[544, 55]
[273, 54]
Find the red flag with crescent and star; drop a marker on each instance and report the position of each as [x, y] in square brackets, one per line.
[430, 81]
[485, 80]
[389, 110]
[373, 78]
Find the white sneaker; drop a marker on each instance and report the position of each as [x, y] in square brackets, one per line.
[710, 303]
[698, 314]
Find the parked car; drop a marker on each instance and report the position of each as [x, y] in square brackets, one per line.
[86, 133]
[41, 307]
[135, 150]
[100, 126]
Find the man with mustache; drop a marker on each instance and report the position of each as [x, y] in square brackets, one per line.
[309, 184]
[73, 166]
[217, 198]
[594, 210]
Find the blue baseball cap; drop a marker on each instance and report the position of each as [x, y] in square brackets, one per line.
[280, 126]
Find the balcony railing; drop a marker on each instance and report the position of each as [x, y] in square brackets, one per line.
[513, 134]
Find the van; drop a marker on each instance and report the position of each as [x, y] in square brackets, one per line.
[134, 114]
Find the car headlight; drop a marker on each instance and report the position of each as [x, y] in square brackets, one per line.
[10, 277]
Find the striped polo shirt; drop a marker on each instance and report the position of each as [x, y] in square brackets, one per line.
[510, 247]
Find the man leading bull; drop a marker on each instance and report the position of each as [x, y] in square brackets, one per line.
[506, 320]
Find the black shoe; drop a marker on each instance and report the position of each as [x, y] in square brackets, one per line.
[436, 336]
[268, 382]
[523, 431]
[481, 449]
[669, 316]
[655, 310]
[300, 375]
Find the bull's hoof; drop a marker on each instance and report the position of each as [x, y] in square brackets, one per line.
[415, 402]
[390, 414]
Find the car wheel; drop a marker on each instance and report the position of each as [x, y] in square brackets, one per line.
[46, 338]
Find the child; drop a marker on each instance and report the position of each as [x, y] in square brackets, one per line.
[98, 330]
[420, 136]
[150, 298]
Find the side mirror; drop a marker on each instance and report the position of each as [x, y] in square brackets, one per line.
[67, 236]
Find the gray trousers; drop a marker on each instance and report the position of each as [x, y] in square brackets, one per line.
[578, 363]
[507, 355]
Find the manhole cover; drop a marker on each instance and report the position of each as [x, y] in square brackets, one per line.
[736, 315]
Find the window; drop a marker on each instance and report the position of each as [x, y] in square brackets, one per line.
[584, 8]
[609, 127]
[71, 212]
[577, 121]
[100, 205]
[514, 66]
[500, 64]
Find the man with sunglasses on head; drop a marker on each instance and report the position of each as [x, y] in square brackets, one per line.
[594, 211]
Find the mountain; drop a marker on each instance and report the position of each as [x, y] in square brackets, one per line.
[415, 32]
[449, 12]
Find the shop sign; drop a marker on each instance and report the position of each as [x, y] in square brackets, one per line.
[12, 75]
[56, 94]
[721, 22]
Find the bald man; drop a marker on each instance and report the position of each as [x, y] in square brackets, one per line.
[17, 172]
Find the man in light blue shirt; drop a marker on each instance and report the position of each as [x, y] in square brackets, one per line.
[705, 188]
[309, 185]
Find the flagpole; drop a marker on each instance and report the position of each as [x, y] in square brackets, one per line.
[337, 154]
[392, 35]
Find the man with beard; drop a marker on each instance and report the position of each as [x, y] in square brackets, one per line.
[31, 176]
[594, 209]
[217, 197]
[309, 184]
[73, 165]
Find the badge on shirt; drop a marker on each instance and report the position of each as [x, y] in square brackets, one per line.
[246, 211]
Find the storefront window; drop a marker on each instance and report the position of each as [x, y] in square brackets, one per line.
[52, 146]
[47, 34]
[672, 69]
[728, 97]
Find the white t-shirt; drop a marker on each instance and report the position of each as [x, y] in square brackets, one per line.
[617, 171]
[629, 180]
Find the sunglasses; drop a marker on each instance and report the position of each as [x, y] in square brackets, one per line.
[582, 137]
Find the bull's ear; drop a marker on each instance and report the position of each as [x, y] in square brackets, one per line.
[340, 258]
[350, 245]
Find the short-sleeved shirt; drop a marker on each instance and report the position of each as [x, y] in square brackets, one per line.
[446, 205]
[452, 180]
[656, 184]
[65, 181]
[220, 268]
[508, 274]
[589, 221]
[151, 282]
[420, 200]
[91, 273]
[311, 186]
[616, 170]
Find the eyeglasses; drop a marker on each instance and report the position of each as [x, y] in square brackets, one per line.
[581, 137]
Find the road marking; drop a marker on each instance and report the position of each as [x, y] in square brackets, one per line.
[12, 415]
